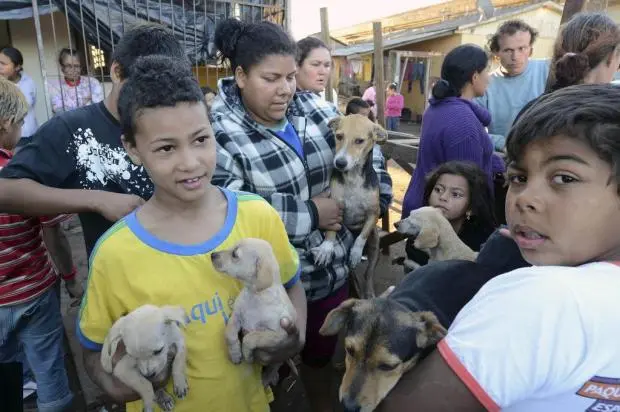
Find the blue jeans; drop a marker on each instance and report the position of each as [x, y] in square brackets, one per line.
[391, 123]
[36, 327]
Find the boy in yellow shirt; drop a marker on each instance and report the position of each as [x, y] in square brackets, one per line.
[160, 253]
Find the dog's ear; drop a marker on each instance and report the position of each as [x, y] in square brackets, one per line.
[430, 330]
[174, 314]
[334, 123]
[428, 237]
[380, 134]
[110, 343]
[266, 266]
[337, 317]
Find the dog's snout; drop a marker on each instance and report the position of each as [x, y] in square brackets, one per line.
[215, 256]
[340, 163]
[396, 224]
[350, 405]
[150, 374]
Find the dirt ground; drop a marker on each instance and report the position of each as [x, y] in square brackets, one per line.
[289, 395]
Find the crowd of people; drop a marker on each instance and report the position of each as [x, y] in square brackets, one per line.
[162, 173]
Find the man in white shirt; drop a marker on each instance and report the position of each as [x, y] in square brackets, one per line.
[543, 338]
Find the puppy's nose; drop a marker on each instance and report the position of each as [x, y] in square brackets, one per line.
[396, 224]
[350, 405]
[150, 374]
[215, 256]
[340, 163]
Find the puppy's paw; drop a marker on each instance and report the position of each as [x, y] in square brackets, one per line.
[323, 254]
[235, 355]
[181, 388]
[164, 400]
[355, 256]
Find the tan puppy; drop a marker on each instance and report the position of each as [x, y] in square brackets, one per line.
[354, 184]
[435, 235]
[148, 333]
[261, 304]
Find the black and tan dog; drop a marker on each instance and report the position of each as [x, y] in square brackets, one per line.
[388, 335]
[355, 185]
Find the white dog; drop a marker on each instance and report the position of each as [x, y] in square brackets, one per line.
[148, 333]
[260, 306]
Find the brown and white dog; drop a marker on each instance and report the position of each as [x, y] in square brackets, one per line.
[355, 185]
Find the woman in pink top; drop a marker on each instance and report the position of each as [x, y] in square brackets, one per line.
[393, 107]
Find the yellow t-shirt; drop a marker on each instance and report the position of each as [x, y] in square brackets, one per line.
[130, 267]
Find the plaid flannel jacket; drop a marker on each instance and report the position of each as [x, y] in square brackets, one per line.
[253, 159]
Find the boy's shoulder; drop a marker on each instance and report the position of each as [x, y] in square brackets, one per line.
[115, 241]
[252, 205]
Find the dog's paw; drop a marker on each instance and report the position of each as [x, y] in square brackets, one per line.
[147, 408]
[355, 256]
[181, 388]
[164, 400]
[323, 254]
[235, 355]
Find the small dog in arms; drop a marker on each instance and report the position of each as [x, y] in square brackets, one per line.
[149, 333]
[261, 304]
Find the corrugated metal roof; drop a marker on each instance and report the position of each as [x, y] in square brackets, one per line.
[445, 28]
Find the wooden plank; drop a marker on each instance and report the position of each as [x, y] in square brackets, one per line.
[329, 94]
[400, 135]
[572, 7]
[379, 76]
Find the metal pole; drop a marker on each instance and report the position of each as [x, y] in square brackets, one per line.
[379, 77]
[37, 28]
[62, 95]
[329, 95]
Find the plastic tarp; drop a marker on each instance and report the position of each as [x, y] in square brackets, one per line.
[104, 21]
[22, 9]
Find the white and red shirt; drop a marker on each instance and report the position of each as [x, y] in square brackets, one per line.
[542, 338]
[26, 269]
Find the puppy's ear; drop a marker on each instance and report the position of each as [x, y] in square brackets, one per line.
[334, 123]
[430, 330]
[380, 134]
[174, 314]
[110, 344]
[337, 317]
[428, 237]
[266, 267]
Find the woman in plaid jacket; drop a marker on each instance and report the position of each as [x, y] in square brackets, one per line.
[276, 143]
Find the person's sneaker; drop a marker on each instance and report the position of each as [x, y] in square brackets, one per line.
[29, 388]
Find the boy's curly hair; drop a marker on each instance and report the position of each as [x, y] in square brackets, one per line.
[156, 81]
[589, 113]
[13, 104]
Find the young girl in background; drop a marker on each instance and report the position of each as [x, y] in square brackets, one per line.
[461, 191]
[359, 106]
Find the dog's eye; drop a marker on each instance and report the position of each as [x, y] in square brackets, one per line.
[339, 136]
[359, 141]
[234, 254]
[386, 367]
[158, 351]
[350, 351]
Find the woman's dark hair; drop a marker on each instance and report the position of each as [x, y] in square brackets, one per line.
[67, 52]
[207, 89]
[247, 44]
[13, 54]
[356, 104]
[587, 40]
[480, 195]
[589, 113]
[305, 47]
[458, 68]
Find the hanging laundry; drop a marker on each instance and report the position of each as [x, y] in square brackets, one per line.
[418, 72]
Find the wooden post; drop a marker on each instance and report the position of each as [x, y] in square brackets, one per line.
[329, 95]
[572, 7]
[379, 76]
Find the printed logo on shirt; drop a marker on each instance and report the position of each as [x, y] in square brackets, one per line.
[606, 391]
[202, 311]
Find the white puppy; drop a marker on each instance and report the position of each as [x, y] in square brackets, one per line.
[261, 304]
[149, 333]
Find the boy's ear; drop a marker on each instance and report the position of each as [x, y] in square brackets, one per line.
[115, 73]
[131, 151]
